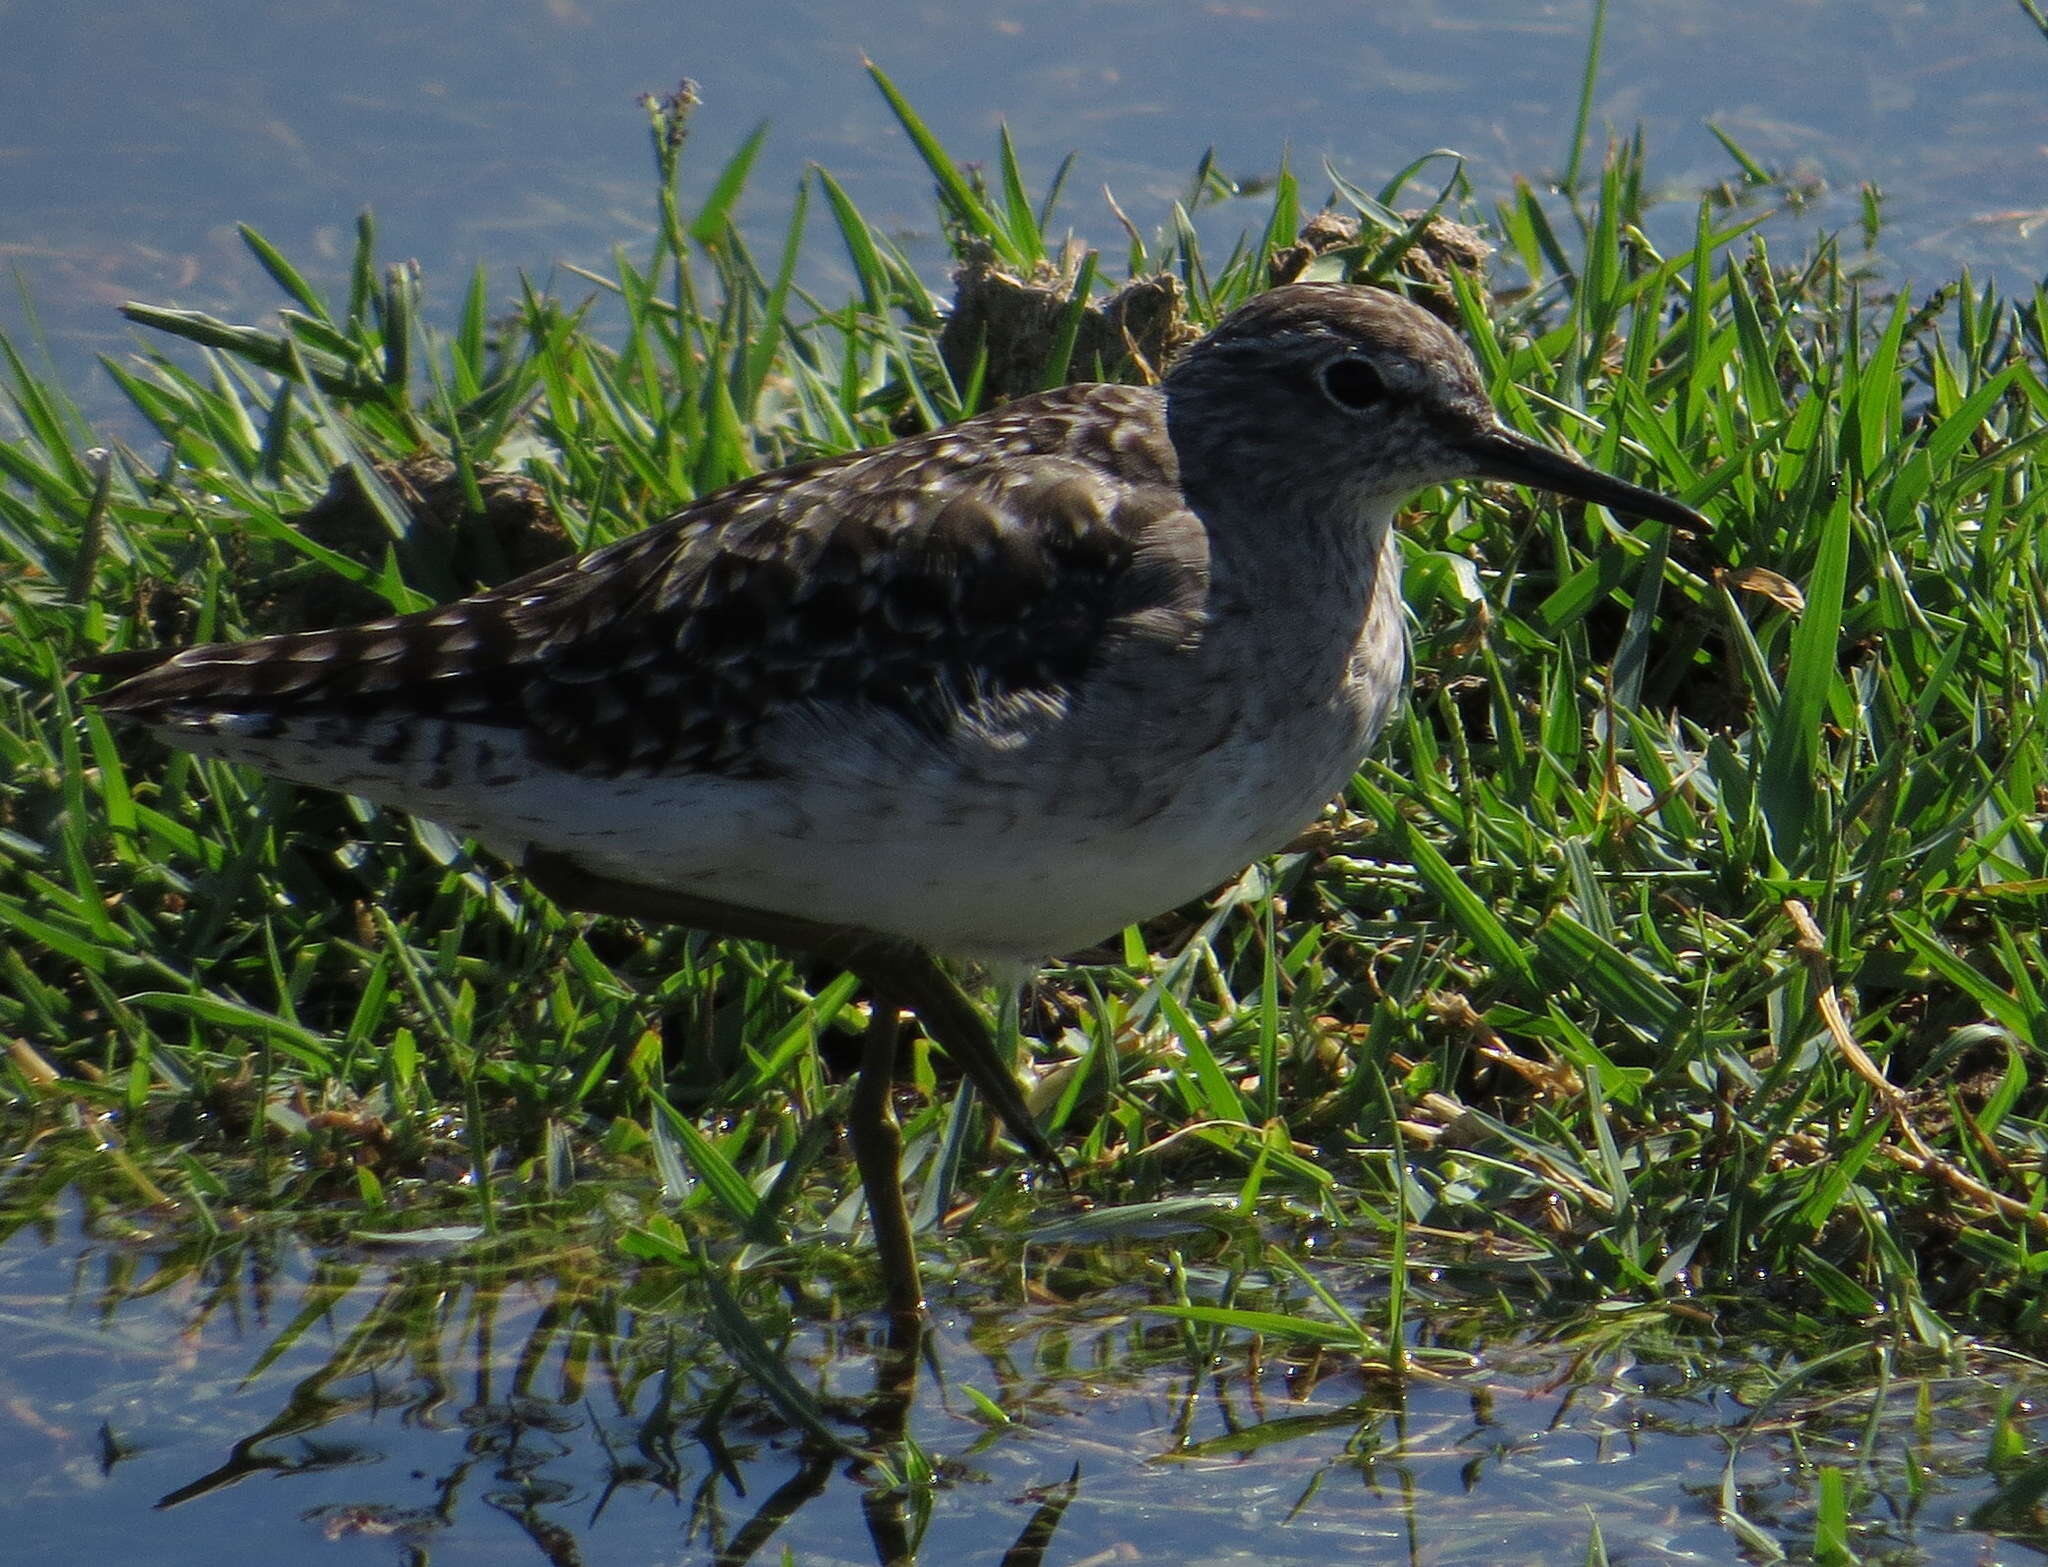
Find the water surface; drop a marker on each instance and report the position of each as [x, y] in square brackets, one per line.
[258, 1399]
[133, 138]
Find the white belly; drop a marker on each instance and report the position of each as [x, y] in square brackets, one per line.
[1048, 833]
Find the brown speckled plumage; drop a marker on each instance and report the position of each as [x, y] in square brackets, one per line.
[920, 578]
[998, 689]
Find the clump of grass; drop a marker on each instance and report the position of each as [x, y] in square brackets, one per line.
[1684, 933]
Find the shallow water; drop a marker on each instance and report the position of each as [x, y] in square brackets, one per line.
[257, 1400]
[133, 138]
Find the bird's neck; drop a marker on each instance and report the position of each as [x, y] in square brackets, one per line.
[1311, 549]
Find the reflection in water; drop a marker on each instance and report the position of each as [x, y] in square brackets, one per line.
[236, 1401]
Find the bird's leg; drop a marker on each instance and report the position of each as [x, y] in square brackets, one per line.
[878, 1152]
[920, 982]
[890, 965]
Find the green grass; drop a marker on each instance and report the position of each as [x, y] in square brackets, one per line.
[1680, 945]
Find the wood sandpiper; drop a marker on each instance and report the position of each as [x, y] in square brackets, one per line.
[993, 692]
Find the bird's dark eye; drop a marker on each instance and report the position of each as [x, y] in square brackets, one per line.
[1353, 383]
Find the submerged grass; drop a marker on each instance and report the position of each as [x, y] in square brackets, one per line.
[616, 1389]
[1679, 946]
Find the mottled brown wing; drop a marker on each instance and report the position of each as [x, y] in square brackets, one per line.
[928, 579]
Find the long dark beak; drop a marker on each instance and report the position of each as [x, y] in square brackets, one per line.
[1502, 454]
